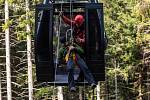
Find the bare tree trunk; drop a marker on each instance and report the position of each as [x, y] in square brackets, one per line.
[60, 93]
[98, 91]
[116, 82]
[7, 40]
[29, 51]
[80, 93]
[30, 80]
[0, 85]
[140, 88]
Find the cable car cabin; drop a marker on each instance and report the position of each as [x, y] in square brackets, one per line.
[48, 27]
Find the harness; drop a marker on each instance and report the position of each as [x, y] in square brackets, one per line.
[78, 30]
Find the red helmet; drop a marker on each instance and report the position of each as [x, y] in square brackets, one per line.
[79, 19]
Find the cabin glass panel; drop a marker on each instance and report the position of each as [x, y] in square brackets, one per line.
[94, 34]
[43, 44]
[95, 37]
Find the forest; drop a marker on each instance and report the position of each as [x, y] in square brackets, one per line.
[127, 56]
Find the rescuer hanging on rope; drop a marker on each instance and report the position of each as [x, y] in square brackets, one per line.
[72, 53]
[78, 28]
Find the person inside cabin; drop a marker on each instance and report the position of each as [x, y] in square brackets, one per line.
[78, 27]
[72, 54]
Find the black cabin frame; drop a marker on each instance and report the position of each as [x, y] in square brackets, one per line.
[45, 66]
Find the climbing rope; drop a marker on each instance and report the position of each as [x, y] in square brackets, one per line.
[57, 49]
[71, 7]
